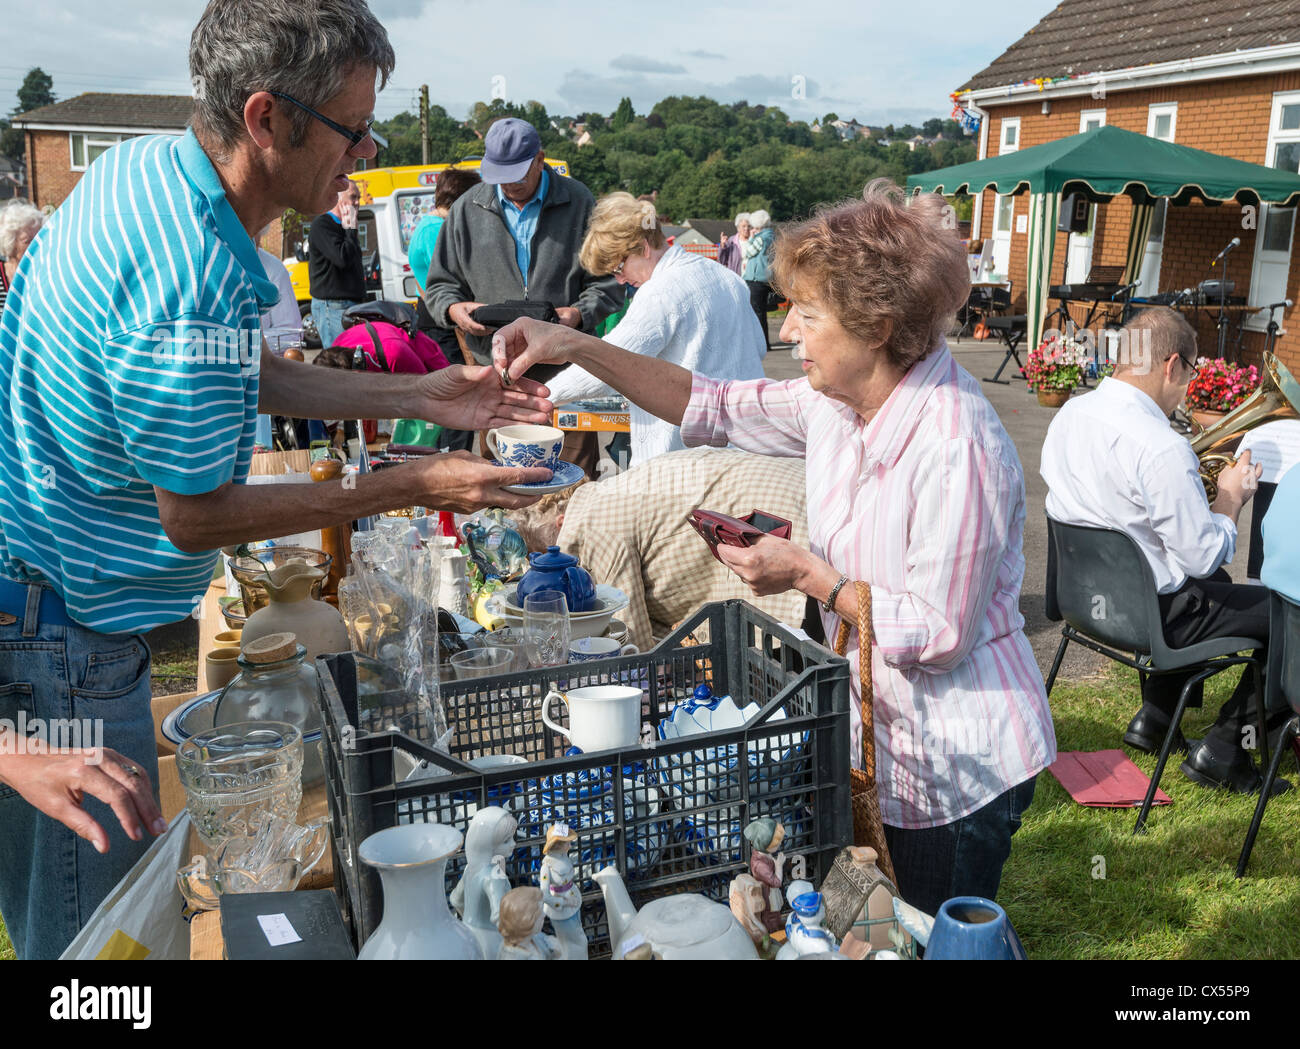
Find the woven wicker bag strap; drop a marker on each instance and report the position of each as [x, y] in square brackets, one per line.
[867, 689]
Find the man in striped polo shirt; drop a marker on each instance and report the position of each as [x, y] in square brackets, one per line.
[131, 351]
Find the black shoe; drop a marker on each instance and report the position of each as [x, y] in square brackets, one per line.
[1238, 774]
[1146, 733]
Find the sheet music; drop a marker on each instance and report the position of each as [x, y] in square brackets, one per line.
[1276, 445]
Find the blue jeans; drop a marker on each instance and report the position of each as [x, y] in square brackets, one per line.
[328, 315]
[51, 881]
[962, 858]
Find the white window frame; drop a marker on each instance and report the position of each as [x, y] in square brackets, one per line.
[1276, 137]
[1149, 274]
[1087, 115]
[90, 139]
[1003, 148]
[1078, 251]
[1161, 109]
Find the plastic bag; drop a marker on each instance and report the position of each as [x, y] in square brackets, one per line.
[143, 917]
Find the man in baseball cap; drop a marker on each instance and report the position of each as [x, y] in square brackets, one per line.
[517, 236]
[512, 154]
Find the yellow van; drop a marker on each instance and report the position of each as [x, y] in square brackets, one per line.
[393, 202]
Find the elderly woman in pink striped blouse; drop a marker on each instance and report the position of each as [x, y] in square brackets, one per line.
[915, 488]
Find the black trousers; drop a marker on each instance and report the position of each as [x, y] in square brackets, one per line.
[1200, 610]
[758, 293]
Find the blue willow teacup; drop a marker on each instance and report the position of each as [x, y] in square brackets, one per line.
[526, 445]
[585, 649]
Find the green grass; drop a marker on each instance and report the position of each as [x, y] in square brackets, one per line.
[1169, 893]
[6, 948]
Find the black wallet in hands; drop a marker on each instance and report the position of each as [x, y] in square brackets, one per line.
[500, 314]
[715, 528]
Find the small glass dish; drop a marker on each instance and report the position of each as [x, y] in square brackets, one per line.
[272, 860]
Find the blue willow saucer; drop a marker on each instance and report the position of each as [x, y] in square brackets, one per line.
[566, 475]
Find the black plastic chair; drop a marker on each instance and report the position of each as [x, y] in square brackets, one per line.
[1099, 583]
[1281, 686]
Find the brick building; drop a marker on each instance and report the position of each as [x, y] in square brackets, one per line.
[63, 139]
[1213, 76]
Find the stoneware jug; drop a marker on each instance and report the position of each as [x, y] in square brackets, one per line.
[318, 626]
[417, 923]
[973, 928]
[556, 571]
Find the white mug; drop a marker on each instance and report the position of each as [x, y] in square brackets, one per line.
[587, 648]
[602, 717]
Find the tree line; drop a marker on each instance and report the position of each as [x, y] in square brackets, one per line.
[705, 159]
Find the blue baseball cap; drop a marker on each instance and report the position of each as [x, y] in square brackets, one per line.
[508, 151]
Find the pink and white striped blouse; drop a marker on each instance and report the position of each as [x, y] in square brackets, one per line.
[926, 502]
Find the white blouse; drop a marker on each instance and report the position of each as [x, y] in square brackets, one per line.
[692, 312]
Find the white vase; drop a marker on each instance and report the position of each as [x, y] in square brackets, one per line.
[417, 923]
[453, 591]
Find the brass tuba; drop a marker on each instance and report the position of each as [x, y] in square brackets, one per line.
[1277, 398]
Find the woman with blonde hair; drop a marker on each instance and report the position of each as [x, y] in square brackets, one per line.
[687, 310]
[916, 504]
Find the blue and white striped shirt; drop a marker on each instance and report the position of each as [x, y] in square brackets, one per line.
[130, 348]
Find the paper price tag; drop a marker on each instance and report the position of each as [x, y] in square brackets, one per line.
[277, 930]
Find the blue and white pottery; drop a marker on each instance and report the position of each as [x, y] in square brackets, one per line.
[585, 649]
[585, 801]
[526, 445]
[716, 837]
[974, 929]
[553, 570]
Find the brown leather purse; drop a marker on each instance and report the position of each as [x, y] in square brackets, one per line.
[868, 828]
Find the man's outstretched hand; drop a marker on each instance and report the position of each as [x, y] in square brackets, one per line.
[472, 398]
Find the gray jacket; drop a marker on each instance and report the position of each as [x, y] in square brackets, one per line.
[474, 260]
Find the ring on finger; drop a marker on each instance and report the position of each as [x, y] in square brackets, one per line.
[130, 770]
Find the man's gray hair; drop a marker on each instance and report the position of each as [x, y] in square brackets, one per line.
[303, 49]
[16, 218]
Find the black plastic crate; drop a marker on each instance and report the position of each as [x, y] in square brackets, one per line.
[671, 819]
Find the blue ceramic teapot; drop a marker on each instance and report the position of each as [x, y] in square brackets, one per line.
[556, 571]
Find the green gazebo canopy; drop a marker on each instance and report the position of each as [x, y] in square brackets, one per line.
[1101, 164]
[1108, 161]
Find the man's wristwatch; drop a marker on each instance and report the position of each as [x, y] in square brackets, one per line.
[829, 604]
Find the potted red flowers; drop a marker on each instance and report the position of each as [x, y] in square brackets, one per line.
[1219, 388]
[1054, 369]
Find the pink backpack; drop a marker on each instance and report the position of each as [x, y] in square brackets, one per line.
[388, 348]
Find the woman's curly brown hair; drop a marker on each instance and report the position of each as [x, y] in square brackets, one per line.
[882, 258]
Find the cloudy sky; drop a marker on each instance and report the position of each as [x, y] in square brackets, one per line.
[871, 61]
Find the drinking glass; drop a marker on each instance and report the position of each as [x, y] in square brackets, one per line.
[546, 626]
[481, 662]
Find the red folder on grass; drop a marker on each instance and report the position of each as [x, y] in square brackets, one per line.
[1104, 779]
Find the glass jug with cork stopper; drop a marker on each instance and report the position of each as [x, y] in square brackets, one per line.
[276, 683]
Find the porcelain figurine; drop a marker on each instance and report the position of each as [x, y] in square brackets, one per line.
[520, 926]
[556, 571]
[417, 924]
[477, 896]
[804, 931]
[747, 898]
[560, 895]
[855, 891]
[685, 926]
[765, 836]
